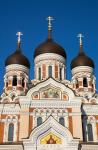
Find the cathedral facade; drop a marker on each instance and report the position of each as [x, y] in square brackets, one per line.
[49, 112]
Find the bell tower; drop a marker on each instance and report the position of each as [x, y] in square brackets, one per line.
[82, 68]
[17, 72]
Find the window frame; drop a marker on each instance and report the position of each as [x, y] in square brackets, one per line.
[90, 132]
[60, 73]
[85, 82]
[60, 121]
[14, 82]
[11, 137]
[41, 121]
[39, 73]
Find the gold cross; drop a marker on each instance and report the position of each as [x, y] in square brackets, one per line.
[19, 36]
[50, 19]
[80, 36]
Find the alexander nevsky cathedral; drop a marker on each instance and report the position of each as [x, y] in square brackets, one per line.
[49, 112]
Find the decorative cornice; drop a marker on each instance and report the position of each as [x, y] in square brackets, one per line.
[11, 146]
[17, 67]
[90, 109]
[49, 56]
[88, 146]
[80, 69]
[9, 108]
[54, 104]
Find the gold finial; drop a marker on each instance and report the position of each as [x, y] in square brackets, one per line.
[80, 36]
[19, 37]
[50, 19]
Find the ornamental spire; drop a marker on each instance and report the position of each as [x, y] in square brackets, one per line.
[49, 19]
[80, 36]
[19, 38]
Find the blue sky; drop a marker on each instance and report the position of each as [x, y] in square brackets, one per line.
[29, 16]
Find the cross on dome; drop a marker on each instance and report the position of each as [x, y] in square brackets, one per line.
[50, 19]
[19, 36]
[80, 36]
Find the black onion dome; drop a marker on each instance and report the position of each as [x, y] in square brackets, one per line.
[82, 60]
[17, 58]
[49, 46]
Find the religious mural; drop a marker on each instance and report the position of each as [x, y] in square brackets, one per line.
[51, 139]
[51, 93]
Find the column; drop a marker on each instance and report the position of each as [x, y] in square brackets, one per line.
[77, 123]
[24, 123]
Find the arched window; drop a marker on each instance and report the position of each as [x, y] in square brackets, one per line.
[11, 132]
[50, 71]
[61, 121]
[90, 132]
[85, 82]
[14, 83]
[60, 73]
[39, 73]
[23, 83]
[39, 121]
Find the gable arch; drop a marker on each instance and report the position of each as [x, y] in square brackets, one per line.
[48, 128]
[50, 125]
[53, 83]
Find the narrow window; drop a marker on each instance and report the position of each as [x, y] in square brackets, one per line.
[60, 73]
[77, 84]
[39, 73]
[39, 121]
[90, 132]
[23, 83]
[14, 83]
[6, 84]
[61, 121]
[50, 71]
[11, 132]
[85, 82]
